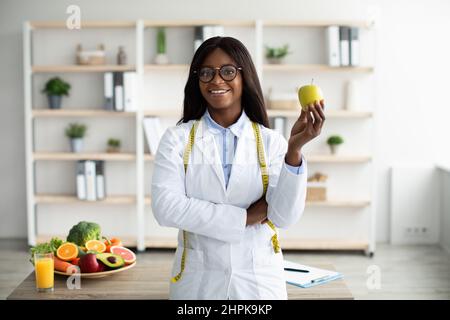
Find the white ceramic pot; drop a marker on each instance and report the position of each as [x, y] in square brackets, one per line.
[76, 144]
[161, 58]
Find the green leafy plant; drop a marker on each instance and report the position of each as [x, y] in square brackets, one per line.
[76, 130]
[57, 87]
[47, 247]
[335, 140]
[161, 41]
[277, 52]
[114, 143]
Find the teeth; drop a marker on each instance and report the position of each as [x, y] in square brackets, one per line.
[218, 91]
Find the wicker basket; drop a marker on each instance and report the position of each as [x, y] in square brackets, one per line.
[91, 57]
[284, 105]
[317, 187]
[316, 193]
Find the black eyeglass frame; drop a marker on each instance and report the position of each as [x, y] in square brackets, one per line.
[215, 72]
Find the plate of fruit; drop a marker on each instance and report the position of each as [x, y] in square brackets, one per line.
[87, 252]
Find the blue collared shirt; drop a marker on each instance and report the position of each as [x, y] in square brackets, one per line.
[226, 139]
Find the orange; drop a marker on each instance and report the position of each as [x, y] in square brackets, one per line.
[67, 251]
[95, 245]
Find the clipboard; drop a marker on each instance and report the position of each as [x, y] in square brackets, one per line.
[305, 276]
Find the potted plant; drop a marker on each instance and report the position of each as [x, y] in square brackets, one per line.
[55, 88]
[75, 132]
[275, 55]
[113, 145]
[334, 142]
[161, 56]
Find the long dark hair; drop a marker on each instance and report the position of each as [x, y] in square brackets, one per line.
[194, 105]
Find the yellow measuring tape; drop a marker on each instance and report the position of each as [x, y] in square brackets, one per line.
[265, 180]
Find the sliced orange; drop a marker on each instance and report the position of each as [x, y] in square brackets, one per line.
[67, 251]
[95, 245]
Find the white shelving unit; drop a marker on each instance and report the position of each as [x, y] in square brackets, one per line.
[153, 102]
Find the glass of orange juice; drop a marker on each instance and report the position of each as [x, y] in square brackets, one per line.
[44, 270]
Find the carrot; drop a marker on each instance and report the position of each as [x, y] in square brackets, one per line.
[61, 265]
[112, 242]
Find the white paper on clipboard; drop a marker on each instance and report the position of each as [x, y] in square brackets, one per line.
[314, 276]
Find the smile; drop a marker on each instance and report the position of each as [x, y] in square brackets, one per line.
[218, 92]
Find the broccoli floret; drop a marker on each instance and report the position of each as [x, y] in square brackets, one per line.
[84, 231]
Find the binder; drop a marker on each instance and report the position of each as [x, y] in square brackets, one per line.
[89, 171]
[344, 46]
[332, 35]
[305, 276]
[198, 37]
[100, 179]
[130, 91]
[118, 91]
[354, 46]
[108, 87]
[81, 181]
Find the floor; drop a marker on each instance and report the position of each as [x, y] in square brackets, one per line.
[395, 272]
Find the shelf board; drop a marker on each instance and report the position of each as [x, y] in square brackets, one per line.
[161, 242]
[81, 68]
[131, 199]
[314, 158]
[72, 199]
[194, 23]
[267, 67]
[286, 244]
[314, 68]
[163, 112]
[191, 23]
[159, 67]
[322, 244]
[330, 114]
[337, 159]
[339, 203]
[68, 156]
[87, 113]
[166, 112]
[84, 24]
[318, 23]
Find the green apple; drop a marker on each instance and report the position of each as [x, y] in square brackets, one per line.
[308, 94]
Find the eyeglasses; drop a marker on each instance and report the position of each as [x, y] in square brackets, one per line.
[227, 73]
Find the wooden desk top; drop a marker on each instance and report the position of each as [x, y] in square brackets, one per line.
[150, 280]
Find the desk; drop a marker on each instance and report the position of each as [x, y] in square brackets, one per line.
[150, 280]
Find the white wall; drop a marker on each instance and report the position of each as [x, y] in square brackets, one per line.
[412, 71]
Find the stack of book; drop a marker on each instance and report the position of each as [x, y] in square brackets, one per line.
[343, 46]
[90, 180]
[120, 89]
[203, 33]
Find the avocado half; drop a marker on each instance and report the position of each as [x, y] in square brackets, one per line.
[110, 260]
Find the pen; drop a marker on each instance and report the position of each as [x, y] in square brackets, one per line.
[296, 270]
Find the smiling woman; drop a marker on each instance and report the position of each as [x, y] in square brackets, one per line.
[227, 181]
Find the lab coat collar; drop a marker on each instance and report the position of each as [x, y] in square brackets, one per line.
[236, 128]
[241, 128]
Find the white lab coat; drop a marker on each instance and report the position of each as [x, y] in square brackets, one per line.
[225, 259]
